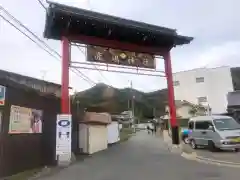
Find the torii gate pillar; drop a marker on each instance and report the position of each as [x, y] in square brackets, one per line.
[65, 101]
[171, 99]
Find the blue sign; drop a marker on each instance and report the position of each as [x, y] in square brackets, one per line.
[64, 123]
[2, 95]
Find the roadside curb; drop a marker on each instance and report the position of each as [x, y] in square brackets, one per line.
[201, 159]
[174, 148]
[217, 161]
[189, 154]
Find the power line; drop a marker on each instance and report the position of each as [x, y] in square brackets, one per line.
[93, 65]
[89, 4]
[41, 3]
[27, 36]
[27, 29]
[38, 44]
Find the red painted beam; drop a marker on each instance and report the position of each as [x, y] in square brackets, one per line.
[117, 45]
[117, 66]
[65, 103]
[118, 71]
[171, 99]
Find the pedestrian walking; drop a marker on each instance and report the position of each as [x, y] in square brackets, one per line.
[161, 128]
[148, 129]
[152, 130]
[155, 129]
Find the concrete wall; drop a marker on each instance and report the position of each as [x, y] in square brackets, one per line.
[234, 98]
[183, 112]
[217, 83]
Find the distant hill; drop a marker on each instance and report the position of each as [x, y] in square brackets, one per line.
[103, 98]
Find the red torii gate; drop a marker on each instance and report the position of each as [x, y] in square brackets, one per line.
[70, 24]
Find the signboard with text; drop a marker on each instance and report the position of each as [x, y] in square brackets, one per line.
[63, 137]
[120, 57]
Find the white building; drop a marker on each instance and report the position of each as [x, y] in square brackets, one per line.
[207, 86]
[184, 108]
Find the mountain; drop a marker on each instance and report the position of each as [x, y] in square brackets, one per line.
[104, 98]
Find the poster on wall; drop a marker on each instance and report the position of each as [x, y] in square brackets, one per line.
[25, 120]
[2, 95]
[63, 138]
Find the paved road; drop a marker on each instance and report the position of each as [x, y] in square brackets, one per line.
[143, 157]
[221, 155]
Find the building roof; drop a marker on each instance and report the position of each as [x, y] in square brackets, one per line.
[70, 21]
[200, 69]
[9, 83]
[202, 118]
[180, 103]
[5, 74]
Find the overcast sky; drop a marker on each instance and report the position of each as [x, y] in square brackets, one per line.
[214, 24]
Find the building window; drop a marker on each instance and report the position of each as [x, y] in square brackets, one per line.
[176, 83]
[43, 89]
[190, 125]
[202, 125]
[199, 79]
[202, 99]
[33, 86]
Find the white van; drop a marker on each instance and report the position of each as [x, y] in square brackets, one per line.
[214, 132]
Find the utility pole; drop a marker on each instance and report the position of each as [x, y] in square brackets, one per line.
[209, 110]
[154, 112]
[89, 4]
[78, 107]
[132, 106]
[44, 72]
[128, 104]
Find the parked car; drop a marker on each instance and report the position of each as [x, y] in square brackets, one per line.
[214, 132]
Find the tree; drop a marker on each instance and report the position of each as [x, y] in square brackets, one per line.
[197, 110]
[193, 111]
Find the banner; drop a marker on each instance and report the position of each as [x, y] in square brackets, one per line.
[119, 57]
[25, 120]
[2, 95]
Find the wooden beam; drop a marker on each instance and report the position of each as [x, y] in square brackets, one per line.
[118, 45]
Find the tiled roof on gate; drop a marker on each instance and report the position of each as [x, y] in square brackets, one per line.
[69, 21]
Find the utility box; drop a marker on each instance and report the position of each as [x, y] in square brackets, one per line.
[93, 132]
[93, 117]
[92, 138]
[113, 132]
